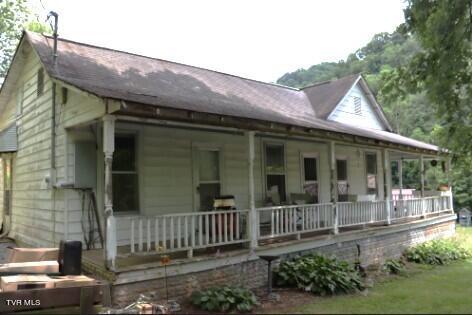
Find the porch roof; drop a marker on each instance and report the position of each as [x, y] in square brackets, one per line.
[129, 77]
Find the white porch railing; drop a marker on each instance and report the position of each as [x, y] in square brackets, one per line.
[294, 219]
[363, 212]
[188, 231]
[197, 230]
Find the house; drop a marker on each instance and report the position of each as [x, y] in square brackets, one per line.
[138, 156]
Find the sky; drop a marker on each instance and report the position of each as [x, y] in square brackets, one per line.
[256, 39]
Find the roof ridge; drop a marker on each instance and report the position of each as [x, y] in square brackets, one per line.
[330, 81]
[165, 60]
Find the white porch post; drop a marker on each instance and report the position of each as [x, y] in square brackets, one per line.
[423, 203]
[253, 221]
[387, 187]
[449, 182]
[334, 190]
[108, 149]
[400, 177]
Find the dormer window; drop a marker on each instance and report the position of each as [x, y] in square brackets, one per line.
[357, 105]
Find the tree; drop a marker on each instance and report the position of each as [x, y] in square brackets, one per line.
[410, 110]
[13, 15]
[443, 67]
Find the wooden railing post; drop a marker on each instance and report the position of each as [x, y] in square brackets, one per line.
[334, 188]
[387, 186]
[423, 207]
[335, 218]
[253, 226]
[108, 149]
[449, 184]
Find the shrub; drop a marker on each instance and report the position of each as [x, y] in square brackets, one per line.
[437, 252]
[224, 299]
[394, 266]
[318, 274]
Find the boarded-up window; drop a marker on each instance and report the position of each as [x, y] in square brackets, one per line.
[357, 105]
[40, 82]
[125, 174]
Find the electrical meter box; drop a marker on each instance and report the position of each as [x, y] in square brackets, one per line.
[85, 174]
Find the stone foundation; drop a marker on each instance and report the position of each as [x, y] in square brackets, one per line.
[374, 247]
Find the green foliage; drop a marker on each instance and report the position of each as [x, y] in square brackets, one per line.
[225, 299]
[37, 27]
[13, 15]
[319, 274]
[394, 266]
[442, 68]
[391, 66]
[437, 252]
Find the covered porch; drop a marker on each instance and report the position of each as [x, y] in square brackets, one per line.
[285, 188]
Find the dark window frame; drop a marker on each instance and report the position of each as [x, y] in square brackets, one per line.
[134, 171]
[272, 173]
[368, 173]
[40, 82]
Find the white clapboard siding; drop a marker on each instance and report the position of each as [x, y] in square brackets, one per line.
[33, 211]
[345, 111]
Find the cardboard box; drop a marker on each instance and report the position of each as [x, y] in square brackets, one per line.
[145, 308]
[18, 254]
[72, 281]
[36, 267]
[25, 282]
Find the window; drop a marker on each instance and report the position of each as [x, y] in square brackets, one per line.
[209, 186]
[310, 177]
[371, 170]
[357, 105]
[341, 168]
[40, 82]
[342, 183]
[275, 172]
[125, 175]
[7, 184]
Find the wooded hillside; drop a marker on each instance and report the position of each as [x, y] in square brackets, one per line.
[412, 116]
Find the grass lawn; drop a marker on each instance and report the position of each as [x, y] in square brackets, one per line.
[425, 289]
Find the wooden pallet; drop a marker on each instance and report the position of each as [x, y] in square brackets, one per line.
[36, 299]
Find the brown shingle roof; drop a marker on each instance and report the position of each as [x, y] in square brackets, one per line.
[124, 76]
[324, 96]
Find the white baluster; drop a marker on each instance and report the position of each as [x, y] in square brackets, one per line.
[140, 235]
[132, 236]
[156, 234]
[148, 234]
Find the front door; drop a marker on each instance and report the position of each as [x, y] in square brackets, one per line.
[208, 181]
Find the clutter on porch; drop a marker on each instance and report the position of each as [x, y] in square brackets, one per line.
[45, 278]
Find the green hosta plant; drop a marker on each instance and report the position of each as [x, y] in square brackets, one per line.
[225, 299]
[394, 266]
[437, 252]
[319, 275]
